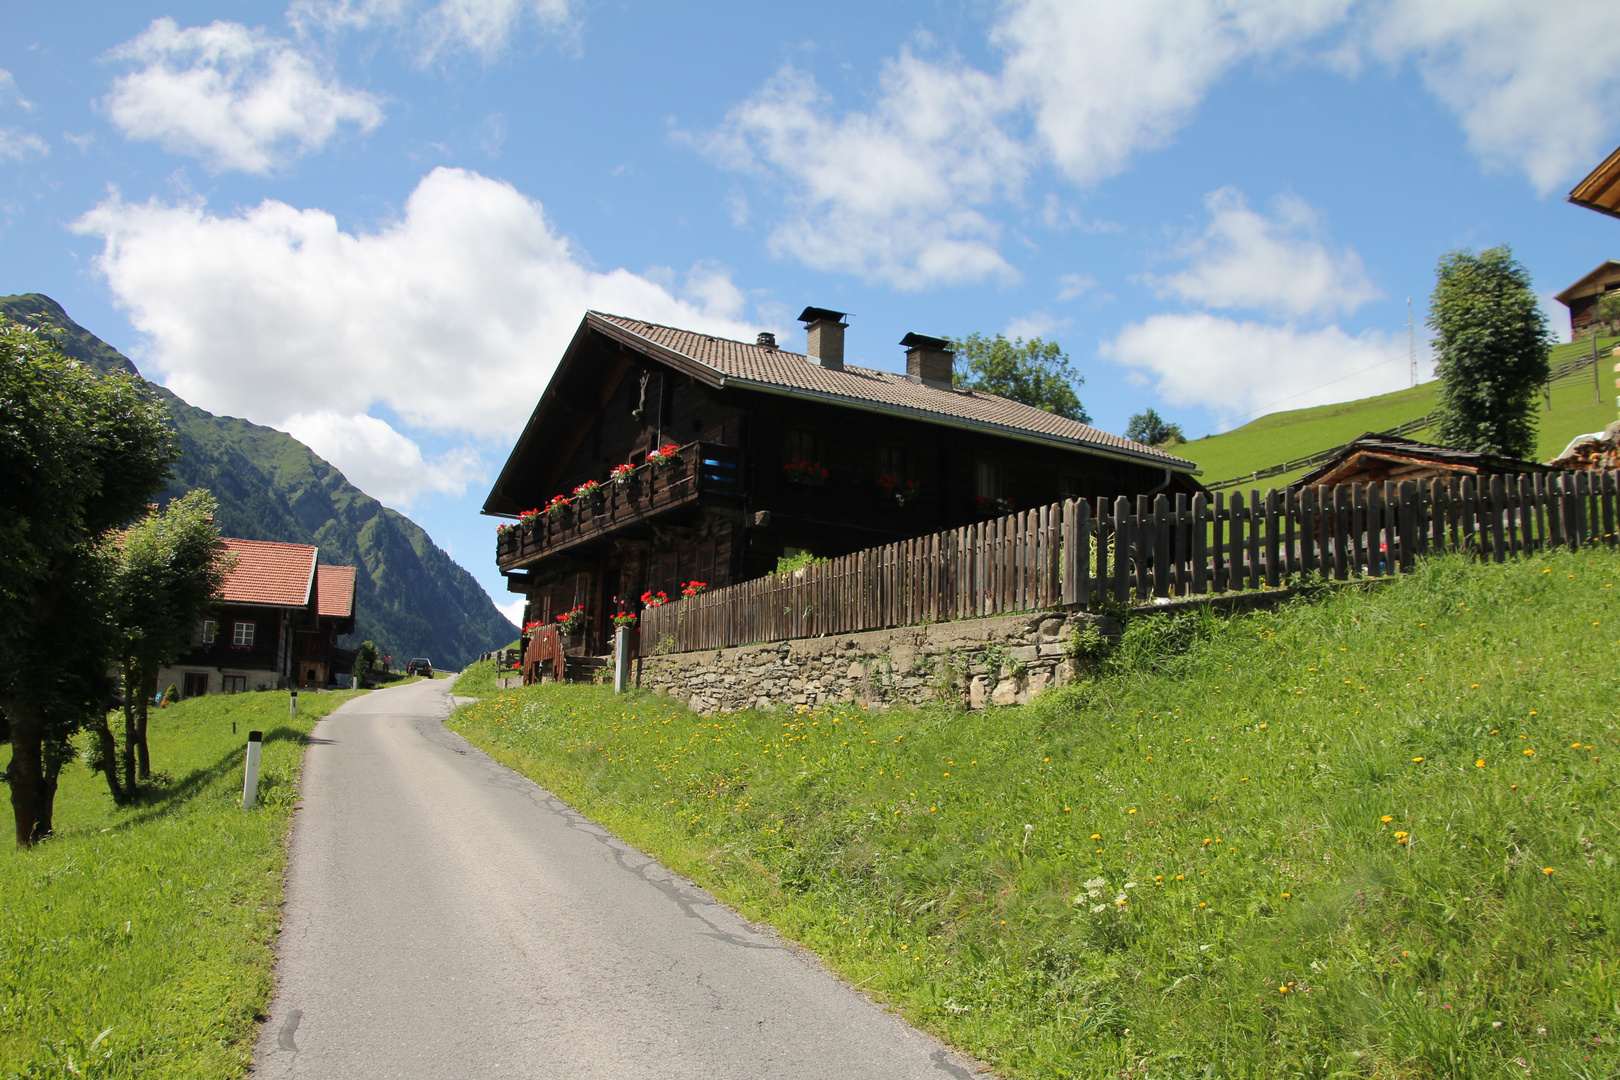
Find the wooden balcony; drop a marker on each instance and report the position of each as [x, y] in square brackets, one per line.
[707, 471]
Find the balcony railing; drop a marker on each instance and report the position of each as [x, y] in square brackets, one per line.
[704, 470]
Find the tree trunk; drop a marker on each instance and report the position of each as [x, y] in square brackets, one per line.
[132, 689]
[26, 772]
[144, 756]
[54, 757]
[109, 759]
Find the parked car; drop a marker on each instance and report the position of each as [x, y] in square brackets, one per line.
[420, 666]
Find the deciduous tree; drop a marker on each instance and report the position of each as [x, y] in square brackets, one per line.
[169, 568]
[1035, 372]
[1151, 428]
[81, 456]
[1492, 340]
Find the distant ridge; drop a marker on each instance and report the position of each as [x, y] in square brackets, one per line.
[412, 599]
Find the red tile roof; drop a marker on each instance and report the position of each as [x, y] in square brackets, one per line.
[743, 363]
[279, 575]
[334, 591]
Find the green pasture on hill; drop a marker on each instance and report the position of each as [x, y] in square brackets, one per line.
[1283, 436]
[137, 941]
[1372, 835]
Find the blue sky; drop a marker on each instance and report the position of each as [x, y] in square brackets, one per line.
[375, 223]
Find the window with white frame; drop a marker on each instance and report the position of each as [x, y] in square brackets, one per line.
[243, 635]
[207, 631]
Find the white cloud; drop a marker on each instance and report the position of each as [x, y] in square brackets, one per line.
[1275, 265]
[9, 94]
[1242, 369]
[887, 195]
[379, 460]
[234, 97]
[1073, 286]
[484, 27]
[16, 145]
[1037, 324]
[1105, 80]
[911, 188]
[898, 193]
[1536, 85]
[452, 316]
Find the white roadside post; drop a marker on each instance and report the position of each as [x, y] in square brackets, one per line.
[621, 659]
[250, 774]
[292, 706]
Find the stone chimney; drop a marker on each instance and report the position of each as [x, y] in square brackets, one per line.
[929, 360]
[824, 336]
[766, 340]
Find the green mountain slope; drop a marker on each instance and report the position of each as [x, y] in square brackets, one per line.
[412, 599]
[1282, 436]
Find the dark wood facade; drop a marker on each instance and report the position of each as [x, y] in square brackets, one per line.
[735, 504]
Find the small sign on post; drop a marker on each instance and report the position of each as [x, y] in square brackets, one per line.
[621, 659]
[250, 772]
[292, 706]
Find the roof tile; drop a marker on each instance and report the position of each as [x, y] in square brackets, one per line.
[752, 362]
[269, 573]
[334, 591]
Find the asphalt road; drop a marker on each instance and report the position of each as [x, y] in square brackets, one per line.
[446, 917]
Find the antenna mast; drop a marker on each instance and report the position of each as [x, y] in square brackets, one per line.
[1411, 339]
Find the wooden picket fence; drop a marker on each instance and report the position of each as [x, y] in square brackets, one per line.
[1080, 554]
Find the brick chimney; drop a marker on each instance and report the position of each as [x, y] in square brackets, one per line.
[824, 336]
[929, 360]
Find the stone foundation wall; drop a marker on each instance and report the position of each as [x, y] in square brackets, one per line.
[1005, 660]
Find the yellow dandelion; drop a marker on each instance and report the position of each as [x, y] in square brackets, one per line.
[1386, 819]
[1417, 759]
[1549, 870]
[1529, 753]
[1480, 764]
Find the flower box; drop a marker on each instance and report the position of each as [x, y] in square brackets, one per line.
[800, 471]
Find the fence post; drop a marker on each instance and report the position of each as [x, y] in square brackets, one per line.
[621, 659]
[250, 770]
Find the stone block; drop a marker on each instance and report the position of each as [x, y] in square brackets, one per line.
[1025, 653]
[978, 691]
[1005, 693]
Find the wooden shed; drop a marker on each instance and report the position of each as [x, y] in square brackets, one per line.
[1375, 458]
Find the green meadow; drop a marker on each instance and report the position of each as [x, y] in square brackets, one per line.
[1283, 436]
[1372, 834]
[137, 941]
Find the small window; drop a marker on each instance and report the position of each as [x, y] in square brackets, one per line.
[891, 461]
[196, 684]
[243, 635]
[989, 476]
[235, 684]
[207, 631]
[801, 445]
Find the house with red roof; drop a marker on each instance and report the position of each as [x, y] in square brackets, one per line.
[663, 456]
[276, 624]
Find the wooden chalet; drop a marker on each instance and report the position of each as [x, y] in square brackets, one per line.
[276, 624]
[1373, 459]
[1582, 297]
[775, 453]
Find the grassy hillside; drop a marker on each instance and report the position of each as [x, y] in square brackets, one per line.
[136, 942]
[412, 598]
[1373, 836]
[1279, 437]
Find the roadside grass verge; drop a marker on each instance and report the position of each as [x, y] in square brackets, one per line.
[477, 680]
[137, 940]
[1368, 836]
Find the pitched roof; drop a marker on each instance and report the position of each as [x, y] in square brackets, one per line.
[1600, 190]
[1401, 455]
[1591, 283]
[334, 591]
[276, 575]
[723, 362]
